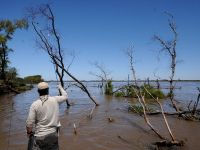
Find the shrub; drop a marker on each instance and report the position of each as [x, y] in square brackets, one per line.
[127, 91]
[154, 92]
[120, 94]
[135, 108]
[109, 88]
[130, 92]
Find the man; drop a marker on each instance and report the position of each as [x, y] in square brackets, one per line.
[44, 116]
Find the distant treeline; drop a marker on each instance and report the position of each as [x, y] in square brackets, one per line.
[18, 85]
[131, 81]
[33, 79]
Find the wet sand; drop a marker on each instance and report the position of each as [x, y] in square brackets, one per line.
[128, 131]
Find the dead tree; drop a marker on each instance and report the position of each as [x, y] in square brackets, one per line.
[49, 41]
[103, 73]
[129, 53]
[163, 114]
[141, 100]
[157, 81]
[170, 48]
[143, 104]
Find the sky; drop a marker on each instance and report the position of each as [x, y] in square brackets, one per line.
[101, 30]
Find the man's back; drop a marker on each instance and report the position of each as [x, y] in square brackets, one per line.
[47, 116]
[44, 115]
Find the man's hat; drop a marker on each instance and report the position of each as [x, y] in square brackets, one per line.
[43, 85]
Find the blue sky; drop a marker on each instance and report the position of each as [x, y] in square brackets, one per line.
[100, 30]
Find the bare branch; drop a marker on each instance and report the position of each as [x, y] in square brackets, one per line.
[98, 76]
[166, 122]
[129, 53]
[72, 60]
[104, 73]
[53, 46]
[170, 48]
[164, 44]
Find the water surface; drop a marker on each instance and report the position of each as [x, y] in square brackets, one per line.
[128, 131]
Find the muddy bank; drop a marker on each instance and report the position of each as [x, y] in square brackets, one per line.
[128, 131]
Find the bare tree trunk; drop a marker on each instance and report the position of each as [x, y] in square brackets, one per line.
[3, 62]
[103, 75]
[82, 86]
[129, 53]
[170, 48]
[158, 84]
[145, 115]
[139, 95]
[53, 48]
[163, 114]
[166, 122]
[142, 102]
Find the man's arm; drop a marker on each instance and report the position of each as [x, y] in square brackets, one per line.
[30, 120]
[63, 96]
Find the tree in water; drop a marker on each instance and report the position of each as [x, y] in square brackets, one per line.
[170, 48]
[43, 22]
[142, 102]
[103, 75]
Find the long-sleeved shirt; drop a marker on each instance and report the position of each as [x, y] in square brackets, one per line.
[44, 113]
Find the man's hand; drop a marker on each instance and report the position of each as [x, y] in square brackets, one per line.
[29, 131]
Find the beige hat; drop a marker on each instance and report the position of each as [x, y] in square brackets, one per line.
[43, 85]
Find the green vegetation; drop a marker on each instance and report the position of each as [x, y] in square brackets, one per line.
[7, 29]
[8, 75]
[128, 91]
[156, 93]
[17, 84]
[109, 88]
[120, 94]
[137, 108]
[33, 79]
[20, 85]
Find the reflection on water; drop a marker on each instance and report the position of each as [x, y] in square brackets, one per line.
[128, 131]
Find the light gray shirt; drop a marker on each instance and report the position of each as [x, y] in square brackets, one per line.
[44, 113]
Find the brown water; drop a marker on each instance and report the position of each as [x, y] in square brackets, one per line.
[128, 131]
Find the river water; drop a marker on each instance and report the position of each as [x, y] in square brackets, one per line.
[128, 131]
